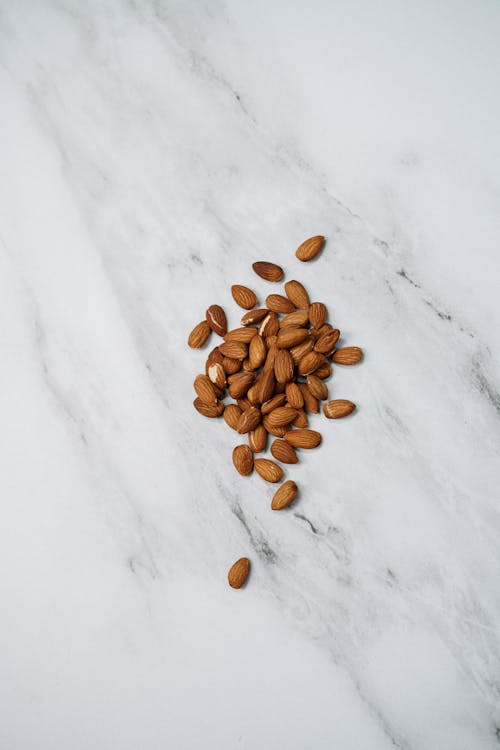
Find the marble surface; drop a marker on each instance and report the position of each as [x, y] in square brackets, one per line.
[150, 152]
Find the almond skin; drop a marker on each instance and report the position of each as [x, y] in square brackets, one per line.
[310, 248]
[238, 573]
[283, 366]
[294, 395]
[249, 420]
[278, 432]
[243, 460]
[301, 419]
[231, 415]
[270, 325]
[254, 316]
[243, 296]
[268, 271]
[257, 439]
[253, 394]
[310, 362]
[273, 403]
[284, 495]
[217, 374]
[324, 371]
[290, 337]
[284, 452]
[300, 350]
[326, 342]
[240, 383]
[215, 357]
[279, 304]
[216, 319]
[204, 389]
[257, 352]
[208, 410]
[338, 408]
[297, 294]
[282, 416]
[268, 470]
[199, 335]
[297, 319]
[234, 349]
[244, 404]
[231, 366]
[271, 356]
[267, 386]
[303, 438]
[310, 403]
[318, 389]
[317, 314]
[349, 355]
[244, 335]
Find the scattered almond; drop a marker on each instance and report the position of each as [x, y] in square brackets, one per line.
[238, 573]
[257, 439]
[268, 470]
[338, 408]
[254, 316]
[232, 414]
[204, 389]
[317, 314]
[243, 296]
[284, 452]
[284, 495]
[349, 355]
[310, 248]
[279, 304]
[318, 389]
[199, 335]
[303, 438]
[297, 294]
[243, 460]
[290, 337]
[268, 271]
[283, 366]
[208, 410]
[216, 319]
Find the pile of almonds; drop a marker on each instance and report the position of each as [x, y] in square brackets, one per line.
[274, 369]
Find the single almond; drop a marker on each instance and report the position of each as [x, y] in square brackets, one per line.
[257, 439]
[217, 374]
[284, 495]
[310, 248]
[310, 403]
[282, 416]
[324, 371]
[294, 395]
[297, 294]
[338, 408]
[273, 403]
[297, 319]
[240, 383]
[254, 316]
[199, 335]
[244, 334]
[310, 362]
[204, 389]
[300, 350]
[283, 366]
[243, 296]
[208, 410]
[232, 413]
[301, 419]
[278, 432]
[270, 325]
[249, 420]
[268, 271]
[279, 304]
[318, 389]
[234, 349]
[243, 460]
[290, 337]
[268, 470]
[238, 573]
[270, 357]
[231, 366]
[317, 314]
[253, 394]
[325, 328]
[257, 352]
[215, 357]
[303, 438]
[349, 355]
[243, 403]
[216, 319]
[284, 452]
[326, 342]
[267, 386]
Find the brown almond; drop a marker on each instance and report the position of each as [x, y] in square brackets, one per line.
[199, 335]
[268, 271]
[318, 389]
[240, 383]
[234, 349]
[204, 389]
[273, 403]
[294, 395]
[310, 362]
[230, 365]
[310, 248]
[253, 394]
[303, 438]
[326, 342]
[297, 294]
[208, 410]
[284, 452]
[282, 416]
[243, 296]
[243, 403]
[324, 371]
[297, 319]
[310, 403]
[300, 350]
[349, 355]
[249, 420]
[317, 314]
[268, 470]
[257, 352]
[254, 316]
[243, 460]
[284, 495]
[301, 419]
[270, 325]
[231, 415]
[257, 439]
[270, 357]
[338, 408]
[216, 319]
[217, 374]
[278, 432]
[244, 334]
[280, 388]
[267, 386]
[325, 328]
[290, 337]
[283, 366]
[238, 573]
[279, 304]
[215, 357]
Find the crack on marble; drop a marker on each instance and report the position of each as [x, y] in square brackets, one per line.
[260, 545]
[484, 386]
[307, 521]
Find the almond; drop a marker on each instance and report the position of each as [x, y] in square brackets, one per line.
[230, 365]
[300, 350]
[279, 304]
[215, 357]
[278, 432]
[273, 403]
[257, 439]
[297, 319]
[270, 325]
[325, 328]
[244, 404]
[317, 387]
[243, 460]
[282, 416]
[290, 337]
[231, 415]
[283, 366]
[254, 316]
[249, 420]
[284, 452]
[208, 410]
[326, 342]
[324, 371]
[301, 419]
[216, 319]
[243, 296]
[204, 389]
[240, 383]
[267, 386]
[297, 294]
[310, 403]
[268, 470]
[310, 362]
[338, 408]
[244, 335]
[310, 248]
[270, 358]
[303, 438]
[349, 355]
[268, 271]
[234, 349]
[257, 352]
[294, 396]
[317, 314]
[217, 374]
[199, 335]
[238, 573]
[284, 495]
[253, 394]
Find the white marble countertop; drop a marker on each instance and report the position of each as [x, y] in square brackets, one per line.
[150, 152]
